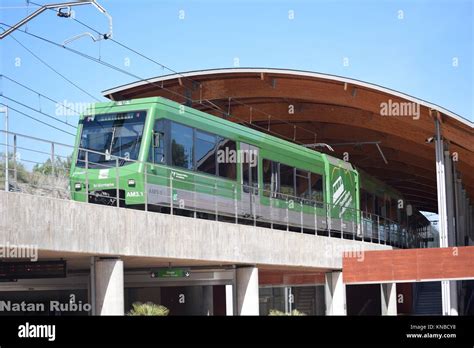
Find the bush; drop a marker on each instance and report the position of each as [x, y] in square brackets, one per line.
[148, 308]
[295, 312]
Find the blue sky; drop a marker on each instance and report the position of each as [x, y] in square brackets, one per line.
[413, 54]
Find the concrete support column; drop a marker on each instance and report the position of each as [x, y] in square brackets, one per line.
[442, 209]
[109, 287]
[335, 294]
[229, 300]
[388, 298]
[247, 291]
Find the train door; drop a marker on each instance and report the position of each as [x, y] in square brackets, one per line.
[250, 192]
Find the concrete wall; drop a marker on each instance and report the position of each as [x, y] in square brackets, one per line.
[68, 226]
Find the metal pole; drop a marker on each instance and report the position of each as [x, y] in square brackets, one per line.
[342, 222]
[271, 210]
[215, 200]
[378, 230]
[14, 161]
[5, 111]
[315, 220]
[52, 158]
[145, 189]
[328, 219]
[87, 175]
[117, 182]
[301, 215]
[235, 205]
[171, 193]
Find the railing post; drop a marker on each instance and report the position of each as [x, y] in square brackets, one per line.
[7, 183]
[15, 165]
[271, 210]
[194, 201]
[87, 175]
[378, 230]
[235, 205]
[52, 159]
[145, 188]
[287, 216]
[301, 215]
[354, 220]
[117, 183]
[315, 219]
[171, 193]
[215, 200]
[342, 222]
[328, 218]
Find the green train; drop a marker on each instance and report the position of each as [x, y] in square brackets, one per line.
[159, 155]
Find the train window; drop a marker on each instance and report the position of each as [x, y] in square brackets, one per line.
[227, 168]
[205, 152]
[303, 189]
[317, 192]
[287, 181]
[158, 148]
[181, 146]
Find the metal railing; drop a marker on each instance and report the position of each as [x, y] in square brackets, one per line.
[203, 196]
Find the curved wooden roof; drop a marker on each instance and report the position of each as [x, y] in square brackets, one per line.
[312, 108]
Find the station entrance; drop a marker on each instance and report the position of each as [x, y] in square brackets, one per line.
[194, 291]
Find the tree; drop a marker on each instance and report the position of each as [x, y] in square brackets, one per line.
[22, 174]
[62, 166]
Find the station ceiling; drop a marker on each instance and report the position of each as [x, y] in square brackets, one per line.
[386, 133]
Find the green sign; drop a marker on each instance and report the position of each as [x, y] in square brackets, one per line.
[171, 273]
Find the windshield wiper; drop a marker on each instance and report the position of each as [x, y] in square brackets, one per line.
[108, 151]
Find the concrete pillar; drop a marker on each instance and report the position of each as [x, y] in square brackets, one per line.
[335, 294]
[388, 298]
[109, 287]
[442, 209]
[247, 291]
[229, 300]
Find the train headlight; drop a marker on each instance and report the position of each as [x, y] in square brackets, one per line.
[77, 186]
[131, 182]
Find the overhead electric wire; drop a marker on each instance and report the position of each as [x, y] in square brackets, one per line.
[190, 79]
[39, 111]
[38, 93]
[49, 66]
[37, 120]
[252, 108]
[111, 66]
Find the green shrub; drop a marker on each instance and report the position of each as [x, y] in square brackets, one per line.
[148, 308]
[276, 312]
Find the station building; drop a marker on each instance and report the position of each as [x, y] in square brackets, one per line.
[109, 257]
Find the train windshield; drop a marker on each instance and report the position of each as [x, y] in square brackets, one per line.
[109, 136]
